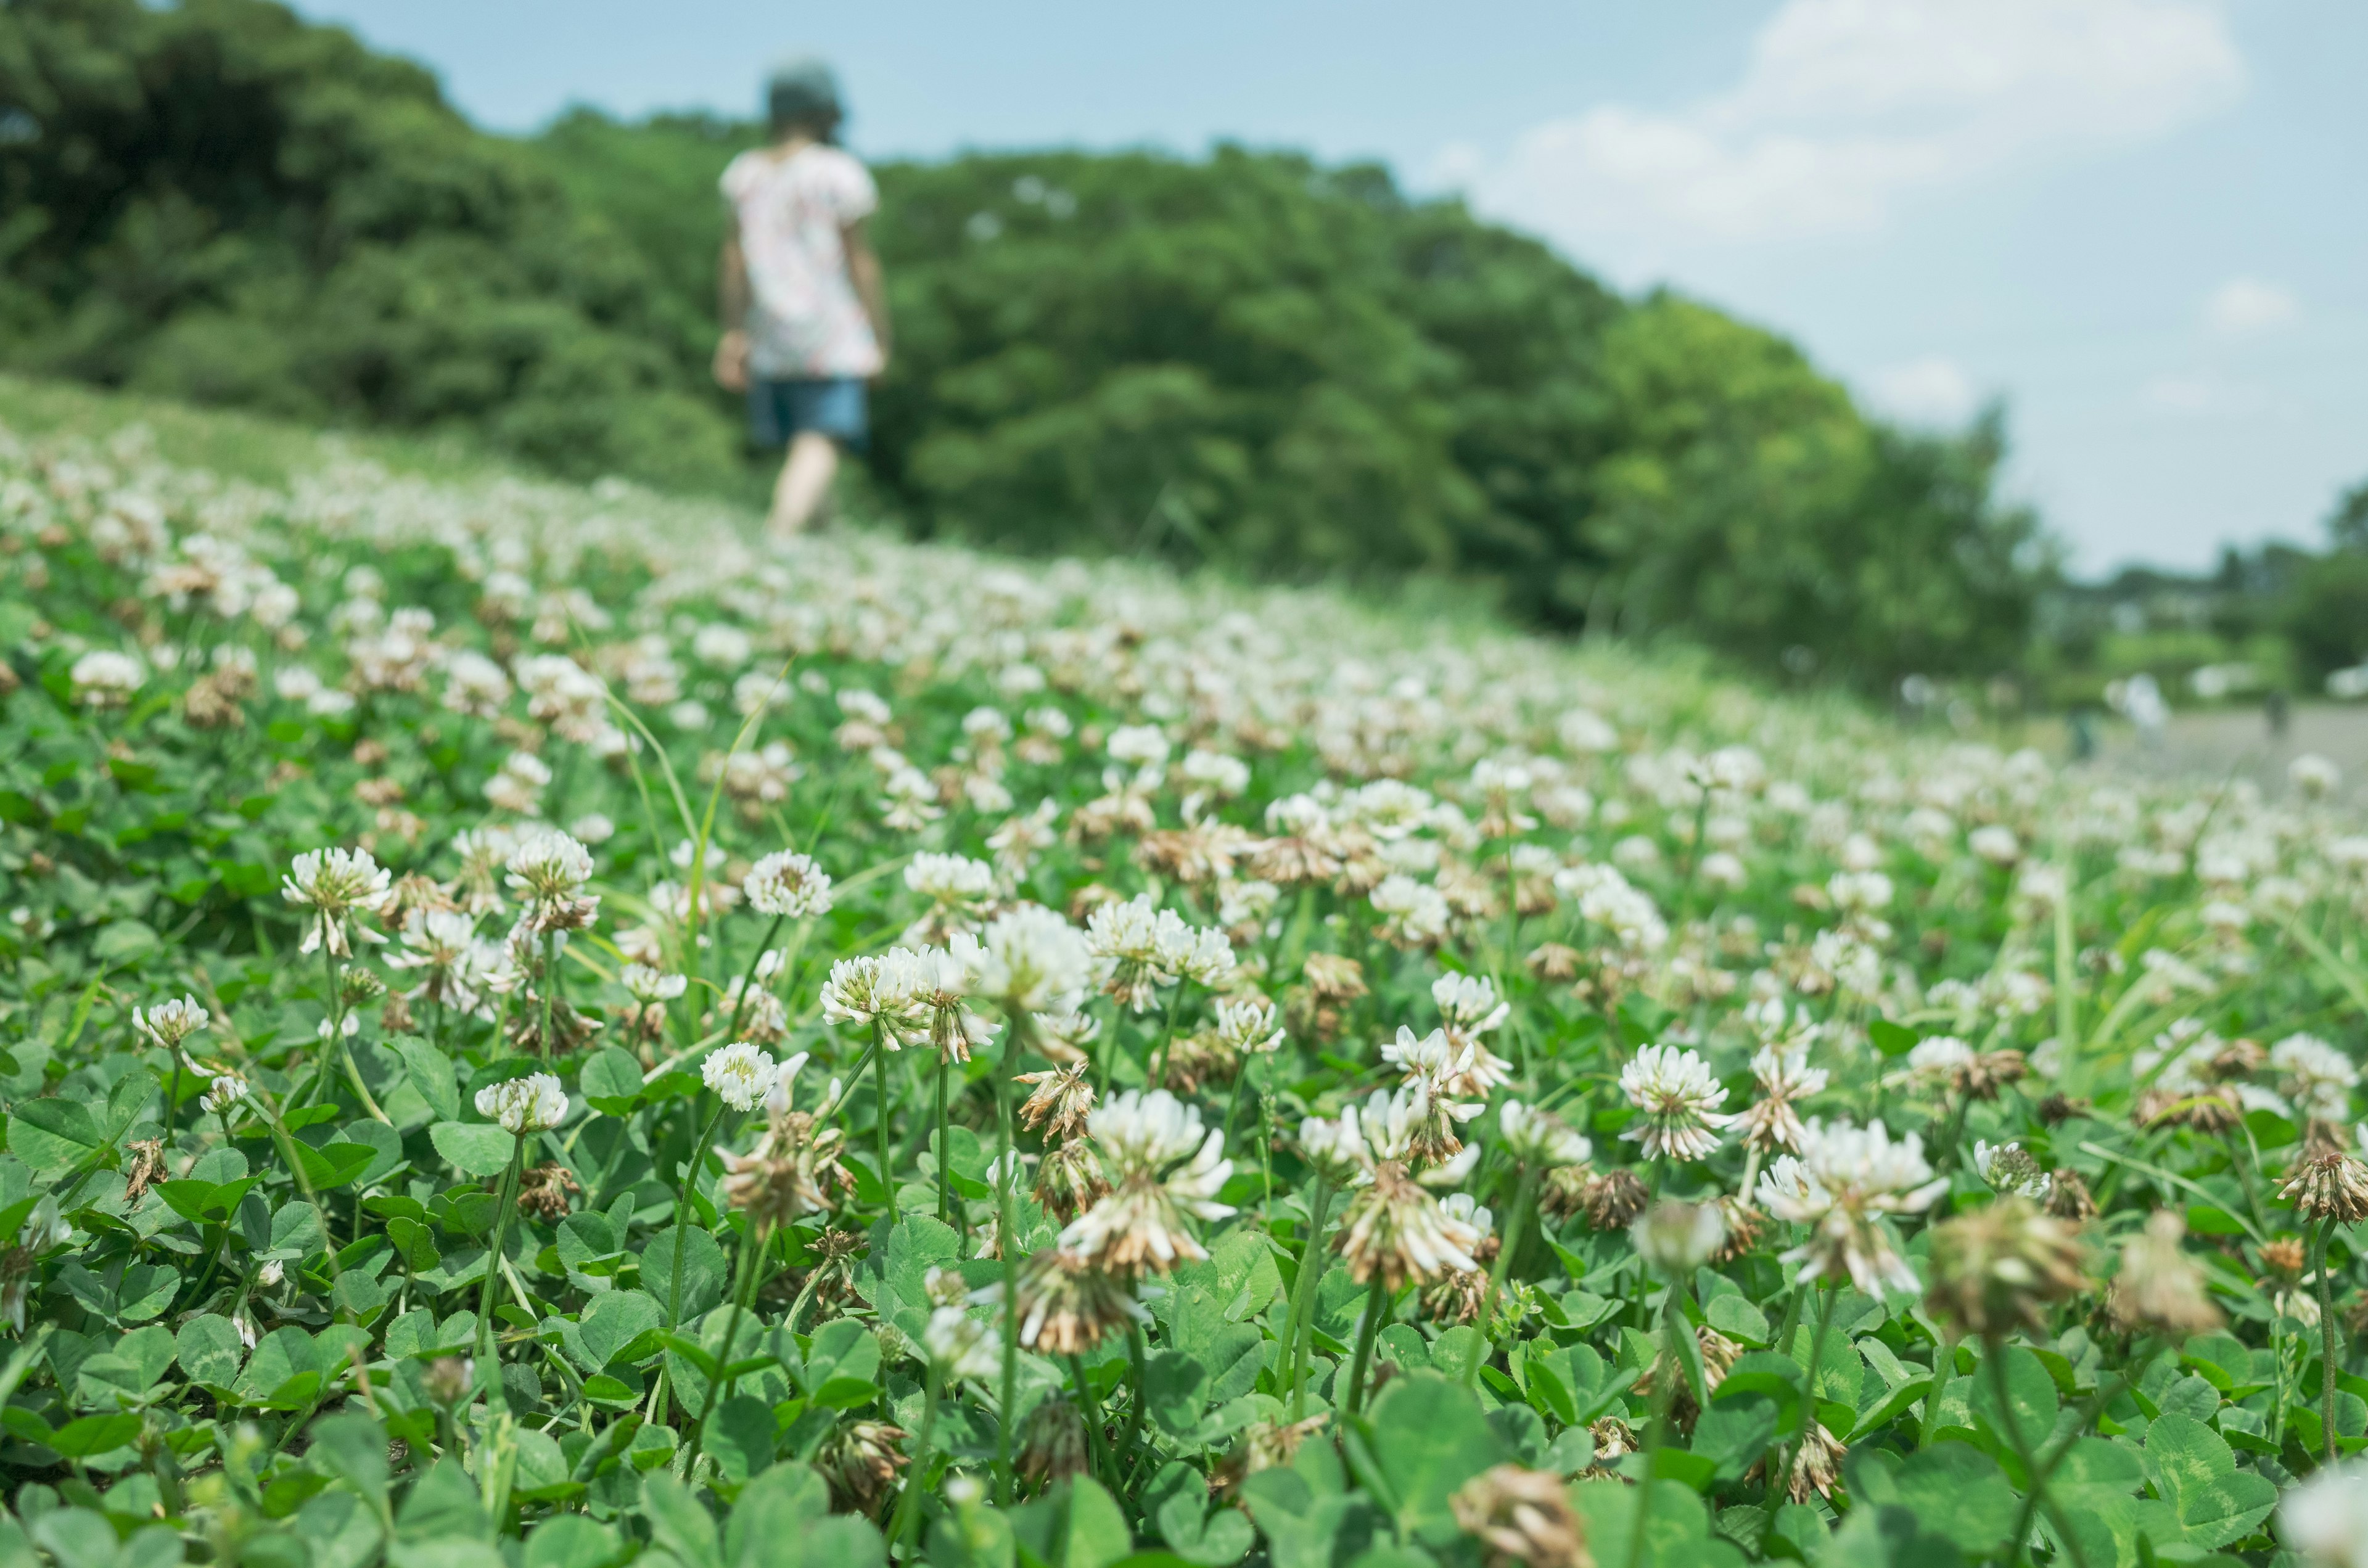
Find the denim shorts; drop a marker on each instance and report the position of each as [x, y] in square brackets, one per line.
[836, 407]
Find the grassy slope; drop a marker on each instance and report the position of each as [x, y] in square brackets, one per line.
[272, 452]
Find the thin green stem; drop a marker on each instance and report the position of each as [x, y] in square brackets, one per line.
[489, 1369]
[880, 1089]
[682, 1211]
[1376, 1304]
[1523, 1191]
[1090, 1411]
[2326, 1326]
[916, 1476]
[1994, 1367]
[1007, 1248]
[945, 1191]
[1139, 1361]
[1782, 1483]
[2107, 1391]
[750, 1246]
[748, 975]
[1299, 1325]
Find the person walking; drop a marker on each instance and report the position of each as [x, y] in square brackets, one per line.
[803, 308]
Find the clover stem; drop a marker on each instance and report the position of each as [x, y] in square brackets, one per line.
[751, 1248]
[1090, 1409]
[907, 1511]
[1300, 1324]
[880, 1090]
[1139, 1360]
[1376, 1303]
[945, 1198]
[740, 1007]
[1523, 1191]
[1007, 1248]
[1994, 1367]
[682, 1211]
[1664, 1390]
[488, 1368]
[2327, 1327]
[1782, 1483]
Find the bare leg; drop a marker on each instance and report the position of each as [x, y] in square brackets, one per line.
[806, 480]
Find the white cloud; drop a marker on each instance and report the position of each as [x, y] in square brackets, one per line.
[2244, 306]
[1930, 391]
[1848, 107]
[2199, 394]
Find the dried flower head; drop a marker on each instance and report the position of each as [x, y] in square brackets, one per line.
[544, 1189]
[2159, 1289]
[1394, 1227]
[1999, 1268]
[1061, 1100]
[1066, 1305]
[860, 1461]
[1522, 1515]
[1614, 1200]
[2333, 1186]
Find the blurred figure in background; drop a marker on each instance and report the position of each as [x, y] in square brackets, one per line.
[805, 313]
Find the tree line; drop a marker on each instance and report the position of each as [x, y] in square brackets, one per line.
[1249, 360]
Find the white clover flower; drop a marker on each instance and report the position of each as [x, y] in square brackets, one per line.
[1335, 1149]
[1219, 774]
[1845, 1180]
[878, 990]
[1034, 961]
[1784, 1077]
[104, 678]
[646, 985]
[549, 867]
[788, 886]
[170, 1023]
[1674, 1239]
[959, 1346]
[2009, 1167]
[1540, 1138]
[740, 1074]
[336, 885]
[1249, 1025]
[1138, 949]
[1678, 1098]
[1468, 1002]
[532, 1104]
[2318, 1078]
[949, 879]
[227, 1090]
[1444, 1066]
[1143, 744]
[2325, 1519]
[1996, 843]
[1162, 1170]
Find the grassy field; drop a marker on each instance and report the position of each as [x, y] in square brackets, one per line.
[543, 1029]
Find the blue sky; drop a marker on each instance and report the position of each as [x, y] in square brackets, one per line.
[2138, 222]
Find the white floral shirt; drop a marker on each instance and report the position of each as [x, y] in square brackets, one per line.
[803, 316]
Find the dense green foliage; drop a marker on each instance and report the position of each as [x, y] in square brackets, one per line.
[1249, 360]
[1488, 1102]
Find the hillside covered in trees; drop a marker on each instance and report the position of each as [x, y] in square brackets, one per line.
[1249, 360]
